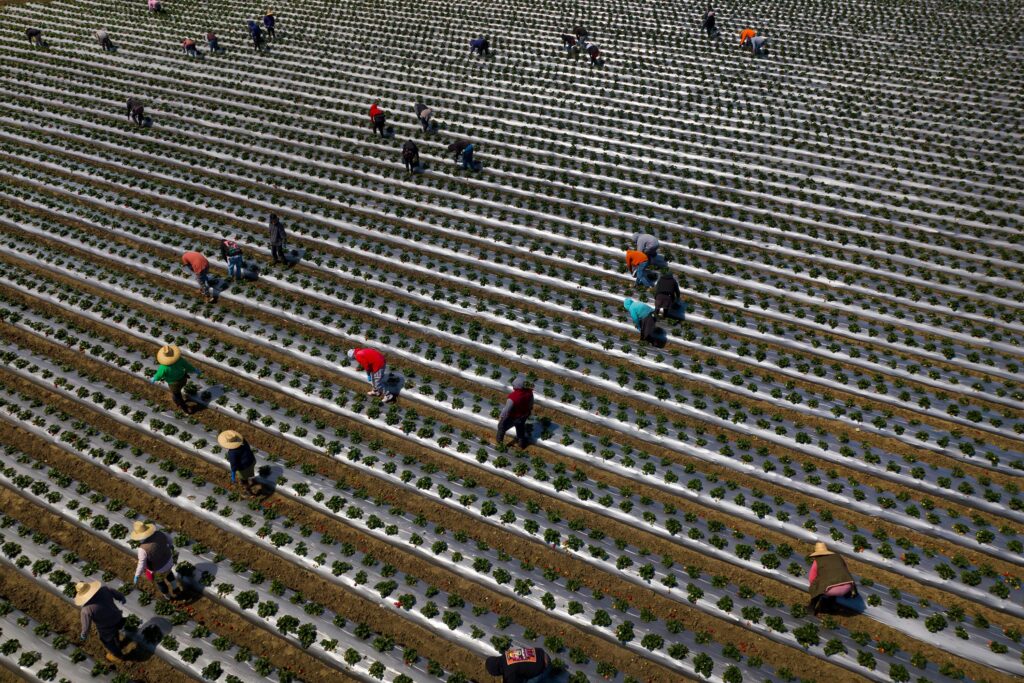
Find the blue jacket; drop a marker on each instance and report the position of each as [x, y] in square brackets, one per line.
[268, 20]
[254, 28]
[241, 457]
[637, 310]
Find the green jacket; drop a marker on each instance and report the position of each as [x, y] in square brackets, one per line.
[173, 373]
[832, 571]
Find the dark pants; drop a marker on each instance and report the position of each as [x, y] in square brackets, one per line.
[111, 639]
[177, 392]
[412, 163]
[214, 45]
[270, 31]
[522, 433]
[191, 50]
[257, 42]
[108, 44]
[378, 127]
[277, 252]
[426, 125]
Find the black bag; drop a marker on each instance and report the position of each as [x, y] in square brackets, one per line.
[648, 326]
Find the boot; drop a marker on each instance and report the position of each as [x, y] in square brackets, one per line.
[113, 659]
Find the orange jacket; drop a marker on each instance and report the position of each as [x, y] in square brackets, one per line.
[634, 258]
[746, 34]
[196, 261]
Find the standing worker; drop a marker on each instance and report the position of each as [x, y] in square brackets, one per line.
[232, 253]
[174, 370]
[196, 263]
[212, 42]
[709, 23]
[97, 603]
[269, 21]
[829, 579]
[241, 459]
[373, 363]
[277, 239]
[156, 558]
[517, 410]
[637, 263]
[256, 33]
[520, 665]
[377, 119]
[411, 156]
[424, 114]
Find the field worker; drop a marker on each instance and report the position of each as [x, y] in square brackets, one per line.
[189, 46]
[666, 294]
[424, 114]
[174, 370]
[709, 23]
[35, 36]
[829, 579]
[647, 243]
[481, 46]
[456, 149]
[240, 458]
[256, 33]
[103, 38]
[759, 46]
[637, 263]
[520, 665]
[467, 157]
[269, 20]
[156, 558]
[197, 264]
[410, 156]
[155, 6]
[638, 310]
[570, 43]
[377, 119]
[373, 364]
[745, 35]
[136, 112]
[278, 236]
[232, 253]
[517, 410]
[581, 34]
[97, 603]
[594, 53]
[212, 42]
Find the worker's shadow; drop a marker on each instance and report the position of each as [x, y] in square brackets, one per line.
[393, 384]
[147, 122]
[146, 640]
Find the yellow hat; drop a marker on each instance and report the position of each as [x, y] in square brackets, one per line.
[84, 592]
[229, 439]
[821, 549]
[168, 354]
[141, 531]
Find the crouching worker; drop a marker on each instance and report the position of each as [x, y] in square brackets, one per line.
[103, 38]
[241, 459]
[189, 46]
[136, 112]
[830, 580]
[595, 55]
[520, 665]
[35, 36]
[481, 46]
[425, 115]
[758, 46]
[517, 410]
[667, 298]
[156, 558]
[647, 243]
[175, 371]
[570, 43]
[637, 263]
[98, 608]
[643, 318]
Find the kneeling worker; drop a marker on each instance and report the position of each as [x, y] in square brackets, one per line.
[520, 665]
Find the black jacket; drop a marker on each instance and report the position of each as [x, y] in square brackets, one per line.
[277, 233]
[667, 285]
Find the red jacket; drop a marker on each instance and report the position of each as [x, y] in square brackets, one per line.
[374, 110]
[522, 404]
[370, 360]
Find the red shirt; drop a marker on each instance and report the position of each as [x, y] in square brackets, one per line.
[374, 110]
[196, 261]
[522, 403]
[370, 360]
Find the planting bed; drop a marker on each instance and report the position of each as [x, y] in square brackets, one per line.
[849, 369]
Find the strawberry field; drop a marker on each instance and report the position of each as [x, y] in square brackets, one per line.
[844, 219]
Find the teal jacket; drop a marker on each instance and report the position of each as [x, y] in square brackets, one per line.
[637, 310]
[173, 373]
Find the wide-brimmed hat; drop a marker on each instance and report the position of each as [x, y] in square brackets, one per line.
[168, 354]
[821, 549]
[84, 592]
[229, 439]
[141, 531]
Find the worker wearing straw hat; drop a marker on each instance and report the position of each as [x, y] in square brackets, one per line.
[829, 578]
[240, 457]
[174, 370]
[97, 603]
[156, 558]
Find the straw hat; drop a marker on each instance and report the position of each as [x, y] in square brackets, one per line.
[821, 549]
[141, 531]
[230, 439]
[168, 355]
[84, 592]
